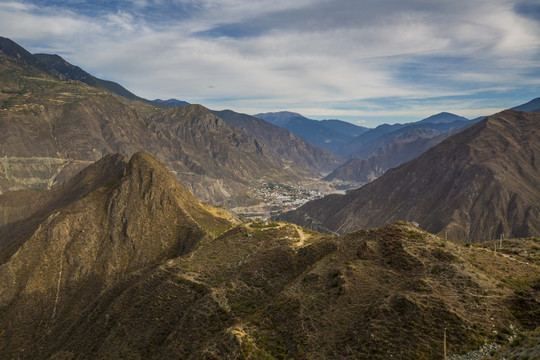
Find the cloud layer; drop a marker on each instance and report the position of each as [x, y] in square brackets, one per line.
[366, 60]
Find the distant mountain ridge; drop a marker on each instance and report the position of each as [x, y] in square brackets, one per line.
[366, 169]
[477, 185]
[326, 134]
[372, 140]
[533, 105]
[171, 102]
[393, 148]
[443, 117]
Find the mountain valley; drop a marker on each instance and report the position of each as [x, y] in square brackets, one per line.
[478, 185]
[159, 229]
[53, 127]
[159, 275]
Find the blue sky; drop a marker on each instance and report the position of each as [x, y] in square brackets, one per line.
[366, 62]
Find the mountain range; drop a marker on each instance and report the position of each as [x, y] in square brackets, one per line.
[370, 152]
[109, 249]
[326, 134]
[282, 145]
[377, 151]
[477, 185]
[123, 262]
[56, 119]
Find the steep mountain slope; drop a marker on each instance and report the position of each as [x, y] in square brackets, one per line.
[404, 147]
[329, 134]
[73, 242]
[73, 72]
[18, 56]
[533, 105]
[280, 292]
[372, 141]
[52, 128]
[479, 184]
[282, 145]
[201, 148]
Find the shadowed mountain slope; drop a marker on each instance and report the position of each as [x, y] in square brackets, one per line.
[73, 242]
[374, 140]
[533, 105]
[282, 145]
[403, 147]
[476, 185]
[283, 292]
[326, 134]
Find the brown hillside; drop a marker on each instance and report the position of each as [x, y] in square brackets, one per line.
[200, 148]
[282, 145]
[73, 242]
[52, 128]
[477, 185]
[277, 291]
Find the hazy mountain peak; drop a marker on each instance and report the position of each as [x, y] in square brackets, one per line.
[443, 117]
[533, 105]
[326, 134]
[279, 118]
[171, 102]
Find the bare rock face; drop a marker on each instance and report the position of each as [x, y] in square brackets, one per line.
[477, 185]
[282, 145]
[71, 243]
[200, 147]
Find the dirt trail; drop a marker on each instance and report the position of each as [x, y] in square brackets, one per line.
[302, 235]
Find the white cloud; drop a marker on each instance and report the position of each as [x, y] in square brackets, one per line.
[306, 55]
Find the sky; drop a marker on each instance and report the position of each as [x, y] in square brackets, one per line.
[363, 61]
